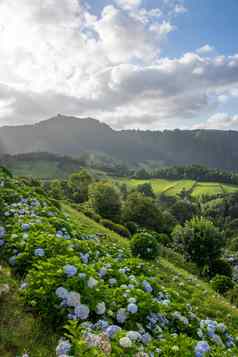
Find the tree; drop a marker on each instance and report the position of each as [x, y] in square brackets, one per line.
[56, 189]
[201, 242]
[105, 200]
[146, 189]
[78, 184]
[183, 210]
[143, 211]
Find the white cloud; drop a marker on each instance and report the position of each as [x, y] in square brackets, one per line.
[204, 50]
[59, 57]
[180, 9]
[128, 4]
[220, 121]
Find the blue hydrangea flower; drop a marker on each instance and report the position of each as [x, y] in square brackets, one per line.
[132, 308]
[84, 258]
[112, 281]
[39, 252]
[73, 299]
[81, 312]
[63, 348]
[146, 338]
[147, 287]
[25, 227]
[2, 232]
[70, 270]
[121, 316]
[201, 348]
[112, 330]
[2, 242]
[59, 234]
[61, 292]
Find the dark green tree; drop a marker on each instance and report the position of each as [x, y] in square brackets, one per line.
[105, 199]
[143, 211]
[200, 241]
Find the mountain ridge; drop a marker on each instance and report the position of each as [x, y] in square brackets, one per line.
[68, 135]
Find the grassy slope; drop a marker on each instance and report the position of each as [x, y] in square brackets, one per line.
[20, 329]
[195, 291]
[173, 187]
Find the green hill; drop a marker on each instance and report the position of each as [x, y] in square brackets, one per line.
[81, 280]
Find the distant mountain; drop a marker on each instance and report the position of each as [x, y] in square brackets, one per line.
[73, 136]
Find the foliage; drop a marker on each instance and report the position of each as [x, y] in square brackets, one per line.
[221, 267]
[143, 211]
[200, 241]
[145, 245]
[105, 200]
[184, 210]
[118, 228]
[76, 273]
[146, 189]
[78, 184]
[222, 283]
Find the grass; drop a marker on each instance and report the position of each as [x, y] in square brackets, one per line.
[19, 328]
[173, 187]
[87, 226]
[173, 278]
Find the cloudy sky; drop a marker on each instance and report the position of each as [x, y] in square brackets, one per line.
[150, 64]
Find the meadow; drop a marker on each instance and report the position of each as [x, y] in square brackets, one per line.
[175, 187]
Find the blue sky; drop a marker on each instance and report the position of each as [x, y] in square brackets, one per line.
[131, 63]
[207, 21]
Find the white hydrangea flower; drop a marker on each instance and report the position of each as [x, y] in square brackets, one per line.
[100, 308]
[125, 342]
[92, 283]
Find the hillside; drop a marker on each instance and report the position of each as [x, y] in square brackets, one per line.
[74, 272]
[72, 136]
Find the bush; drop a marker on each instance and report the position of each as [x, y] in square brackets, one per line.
[200, 241]
[117, 228]
[93, 215]
[221, 267]
[145, 246]
[232, 296]
[222, 283]
[164, 239]
[132, 226]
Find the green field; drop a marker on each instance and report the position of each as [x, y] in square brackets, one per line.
[173, 187]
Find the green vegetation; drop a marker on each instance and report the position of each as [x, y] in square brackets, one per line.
[176, 187]
[134, 278]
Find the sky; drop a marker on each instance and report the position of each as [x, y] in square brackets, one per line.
[143, 64]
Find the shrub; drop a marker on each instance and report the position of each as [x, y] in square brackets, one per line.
[232, 295]
[200, 241]
[145, 245]
[221, 283]
[164, 239]
[132, 226]
[118, 228]
[221, 267]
